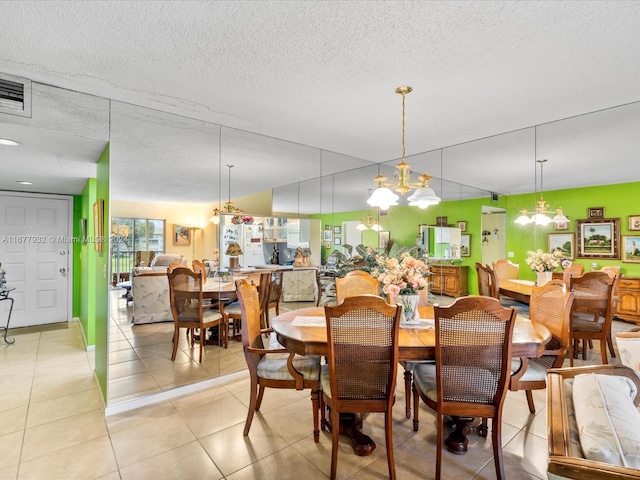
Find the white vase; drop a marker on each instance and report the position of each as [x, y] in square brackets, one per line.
[544, 278]
[410, 313]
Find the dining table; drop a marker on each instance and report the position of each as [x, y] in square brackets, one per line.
[517, 289]
[303, 331]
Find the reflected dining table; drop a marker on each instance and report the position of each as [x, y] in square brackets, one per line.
[303, 331]
[517, 289]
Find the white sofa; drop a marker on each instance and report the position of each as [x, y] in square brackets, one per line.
[150, 290]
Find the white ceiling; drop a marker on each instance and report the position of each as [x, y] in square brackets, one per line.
[323, 74]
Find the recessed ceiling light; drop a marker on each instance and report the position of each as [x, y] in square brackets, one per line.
[24, 182]
[8, 142]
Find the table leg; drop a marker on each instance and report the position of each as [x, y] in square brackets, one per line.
[6, 328]
[351, 424]
[457, 442]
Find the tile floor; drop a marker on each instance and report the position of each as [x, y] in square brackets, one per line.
[52, 427]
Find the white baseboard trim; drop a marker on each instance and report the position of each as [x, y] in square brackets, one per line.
[173, 393]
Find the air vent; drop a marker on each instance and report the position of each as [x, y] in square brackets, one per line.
[494, 197]
[15, 95]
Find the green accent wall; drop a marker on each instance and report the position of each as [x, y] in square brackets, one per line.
[85, 281]
[619, 201]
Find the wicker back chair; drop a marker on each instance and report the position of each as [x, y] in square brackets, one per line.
[471, 373]
[275, 292]
[233, 311]
[506, 270]
[486, 282]
[593, 312]
[198, 266]
[185, 294]
[575, 270]
[551, 307]
[272, 368]
[357, 282]
[362, 344]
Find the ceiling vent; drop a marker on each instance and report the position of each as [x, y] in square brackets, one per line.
[15, 95]
[495, 197]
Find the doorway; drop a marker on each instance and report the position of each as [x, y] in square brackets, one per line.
[494, 238]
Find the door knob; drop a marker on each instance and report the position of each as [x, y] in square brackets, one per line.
[63, 271]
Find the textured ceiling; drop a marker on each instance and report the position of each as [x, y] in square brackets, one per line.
[323, 74]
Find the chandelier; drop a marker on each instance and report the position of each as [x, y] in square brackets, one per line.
[373, 225]
[383, 197]
[540, 214]
[229, 207]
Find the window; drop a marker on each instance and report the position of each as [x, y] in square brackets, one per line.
[131, 235]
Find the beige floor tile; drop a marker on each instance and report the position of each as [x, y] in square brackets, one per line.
[13, 419]
[64, 406]
[8, 472]
[10, 446]
[285, 464]
[15, 397]
[61, 387]
[131, 418]
[143, 441]
[122, 356]
[185, 462]
[180, 374]
[60, 434]
[125, 369]
[126, 386]
[164, 362]
[88, 460]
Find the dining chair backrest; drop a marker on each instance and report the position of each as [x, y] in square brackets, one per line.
[486, 281]
[506, 270]
[354, 283]
[251, 318]
[144, 256]
[198, 266]
[591, 284]
[575, 270]
[550, 306]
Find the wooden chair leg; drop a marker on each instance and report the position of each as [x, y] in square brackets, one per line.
[439, 442]
[496, 439]
[416, 408]
[335, 433]
[176, 339]
[388, 437]
[603, 351]
[408, 378]
[610, 343]
[315, 404]
[584, 349]
[252, 406]
[532, 406]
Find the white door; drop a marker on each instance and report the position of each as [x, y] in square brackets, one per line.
[35, 251]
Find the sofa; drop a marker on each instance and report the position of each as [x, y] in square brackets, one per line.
[150, 290]
[593, 423]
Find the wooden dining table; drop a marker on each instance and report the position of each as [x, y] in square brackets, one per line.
[517, 289]
[304, 332]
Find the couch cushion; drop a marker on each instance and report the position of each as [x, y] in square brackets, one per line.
[165, 259]
[608, 421]
[629, 347]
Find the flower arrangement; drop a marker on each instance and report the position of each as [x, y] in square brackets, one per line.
[404, 276]
[540, 261]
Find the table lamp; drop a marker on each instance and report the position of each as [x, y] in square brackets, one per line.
[233, 250]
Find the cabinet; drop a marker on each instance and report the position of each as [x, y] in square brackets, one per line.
[628, 307]
[450, 280]
[275, 230]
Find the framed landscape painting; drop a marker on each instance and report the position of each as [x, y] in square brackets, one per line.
[598, 238]
[631, 248]
[465, 245]
[564, 242]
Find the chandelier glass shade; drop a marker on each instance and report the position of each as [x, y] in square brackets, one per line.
[540, 215]
[384, 197]
[228, 207]
[371, 224]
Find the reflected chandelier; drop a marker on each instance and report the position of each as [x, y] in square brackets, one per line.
[424, 195]
[373, 225]
[539, 216]
[229, 207]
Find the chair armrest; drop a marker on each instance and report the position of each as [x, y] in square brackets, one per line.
[297, 376]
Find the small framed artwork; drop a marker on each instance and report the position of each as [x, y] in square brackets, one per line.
[598, 238]
[565, 242]
[462, 225]
[327, 244]
[327, 227]
[596, 212]
[465, 244]
[337, 241]
[181, 235]
[441, 221]
[561, 225]
[634, 222]
[98, 226]
[336, 230]
[383, 240]
[328, 235]
[631, 248]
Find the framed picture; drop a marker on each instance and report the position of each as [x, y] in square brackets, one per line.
[465, 244]
[327, 227]
[634, 222]
[441, 221]
[631, 248]
[462, 225]
[327, 244]
[562, 225]
[83, 231]
[564, 242]
[596, 212]
[98, 227]
[383, 240]
[328, 235]
[181, 235]
[598, 238]
[336, 230]
[337, 240]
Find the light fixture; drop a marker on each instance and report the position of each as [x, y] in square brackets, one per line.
[383, 197]
[373, 225]
[229, 207]
[233, 250]
[540, 215]
[7, 142]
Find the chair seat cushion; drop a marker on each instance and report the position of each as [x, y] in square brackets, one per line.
[535, 372]
[424, 375]
[586, 324]
[274, 366]
[193, 315]
[608, 421]
[233, 309]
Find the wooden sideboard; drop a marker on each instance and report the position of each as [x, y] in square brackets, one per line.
[628, 307]
[450, 280]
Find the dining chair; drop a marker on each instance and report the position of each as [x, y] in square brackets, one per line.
[471, 373]
[198, 266]
[360, 375]
[187, 308]
[550, 307]
[489, 286]
[593, 312]
[275, 293]
[144, 256]
[575, 270]
[233, 312]
[506, 270]
[274, 368]
[357, 282]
